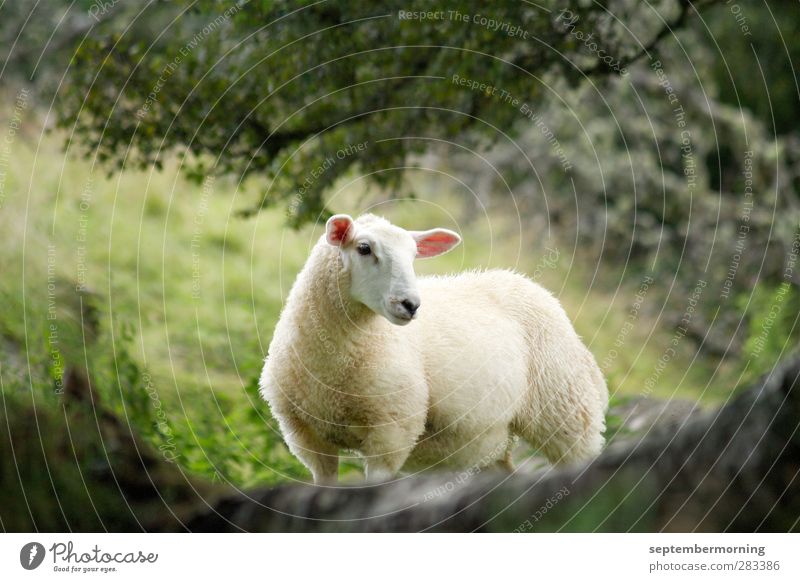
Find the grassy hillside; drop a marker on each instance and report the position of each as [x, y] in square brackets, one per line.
[185, 295]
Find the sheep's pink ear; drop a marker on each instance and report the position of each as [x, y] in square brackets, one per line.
[339, 230]
[435, 242]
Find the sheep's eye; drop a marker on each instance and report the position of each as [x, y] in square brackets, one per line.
[363, 249]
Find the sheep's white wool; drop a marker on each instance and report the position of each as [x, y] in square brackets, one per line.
[489, 357]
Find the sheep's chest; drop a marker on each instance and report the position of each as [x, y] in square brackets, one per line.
[345, 392]
[337, 407]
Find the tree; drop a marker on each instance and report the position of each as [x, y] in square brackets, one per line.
[299, 93]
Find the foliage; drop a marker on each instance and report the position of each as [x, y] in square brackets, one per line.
[301, 92]
[772, 328]
[757, 50]
[650, 175]
[230, 440]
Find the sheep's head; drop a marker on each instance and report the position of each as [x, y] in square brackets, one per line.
[379, 258]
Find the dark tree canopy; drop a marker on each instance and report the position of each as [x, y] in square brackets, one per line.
[300, 92]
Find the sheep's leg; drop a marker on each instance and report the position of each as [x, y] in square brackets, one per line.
[564, 436]
[385, 452]
[320, 457]
[383, 468]
[507, 462]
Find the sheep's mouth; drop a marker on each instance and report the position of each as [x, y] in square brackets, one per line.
[398, 320]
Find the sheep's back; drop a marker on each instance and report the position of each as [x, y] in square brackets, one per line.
[475, 347]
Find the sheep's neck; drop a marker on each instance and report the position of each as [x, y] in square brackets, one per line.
[327, 288]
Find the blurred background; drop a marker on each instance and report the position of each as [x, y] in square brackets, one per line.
[165, 167]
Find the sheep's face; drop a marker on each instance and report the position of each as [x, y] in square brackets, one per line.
[379, 258]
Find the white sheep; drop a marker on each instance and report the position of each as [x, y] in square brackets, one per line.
[415, 373]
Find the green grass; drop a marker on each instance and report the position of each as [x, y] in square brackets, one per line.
[187, 294]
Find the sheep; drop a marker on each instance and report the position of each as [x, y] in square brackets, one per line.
[414, 373]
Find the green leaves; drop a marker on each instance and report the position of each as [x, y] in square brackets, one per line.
[272, 89]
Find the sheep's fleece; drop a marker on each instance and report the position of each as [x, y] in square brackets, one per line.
[489, 357]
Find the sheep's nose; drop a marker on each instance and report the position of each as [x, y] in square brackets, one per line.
[410, 306]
